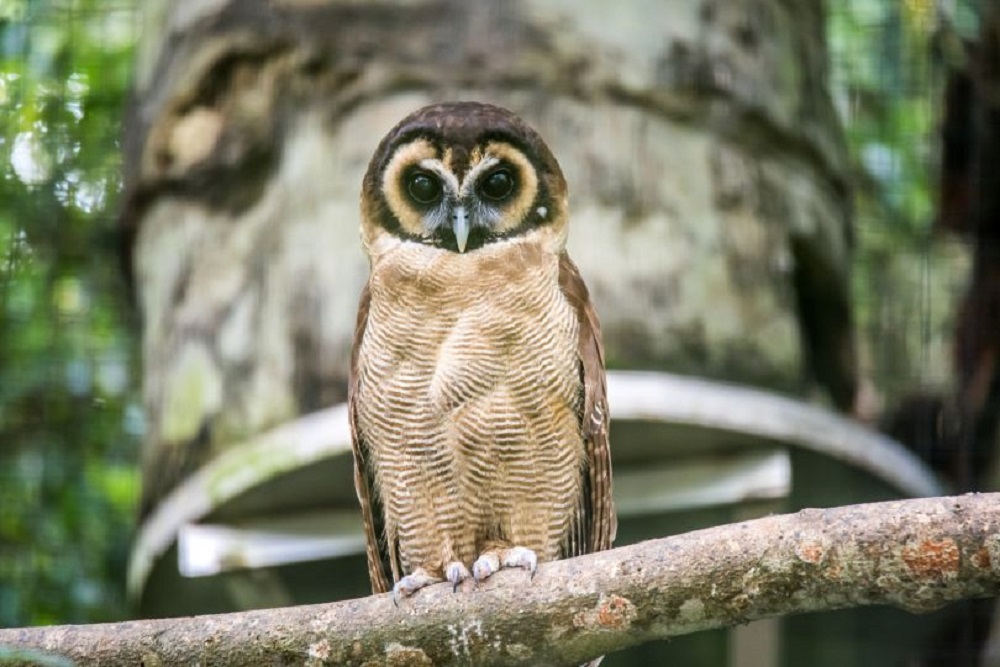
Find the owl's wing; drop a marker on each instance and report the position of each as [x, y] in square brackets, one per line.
[379, 569]
[596, 524]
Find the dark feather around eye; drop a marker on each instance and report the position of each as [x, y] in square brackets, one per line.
[497, 184]
[423, 188]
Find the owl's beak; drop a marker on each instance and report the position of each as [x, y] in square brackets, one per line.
[460, 225]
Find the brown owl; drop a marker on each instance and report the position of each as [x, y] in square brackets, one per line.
[477, 392]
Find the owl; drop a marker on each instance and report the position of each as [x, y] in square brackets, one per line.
[477, 389]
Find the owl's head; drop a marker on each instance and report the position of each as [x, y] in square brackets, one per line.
[462, 175]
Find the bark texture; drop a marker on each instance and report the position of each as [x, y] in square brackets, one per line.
[916, 554]
[710, 214]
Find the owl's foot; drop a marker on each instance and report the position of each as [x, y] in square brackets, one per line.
[412, 583]
[491, 561]
[456, 573]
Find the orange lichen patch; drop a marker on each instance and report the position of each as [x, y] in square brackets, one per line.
[932, 558]
[810, 552]
[981, 559]
[612, 613]
[615, 612]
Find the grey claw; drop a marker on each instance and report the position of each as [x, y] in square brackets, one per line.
[456, 573]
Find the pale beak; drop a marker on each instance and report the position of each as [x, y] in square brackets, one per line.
[460, 224]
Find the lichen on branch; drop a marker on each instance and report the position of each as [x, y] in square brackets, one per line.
[915, 554]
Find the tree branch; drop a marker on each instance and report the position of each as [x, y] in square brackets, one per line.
[915, 554]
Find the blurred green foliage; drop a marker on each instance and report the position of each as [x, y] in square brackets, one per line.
[69, 418]
[887, 83]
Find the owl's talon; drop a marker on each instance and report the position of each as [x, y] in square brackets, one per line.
[485, 566]
[521, 557]
[412, 583]
[456, 573]
[490, 562]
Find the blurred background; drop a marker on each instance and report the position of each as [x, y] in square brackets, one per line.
[72, 421]
[70, 417]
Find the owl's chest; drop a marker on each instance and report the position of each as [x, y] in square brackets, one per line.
[452, 330]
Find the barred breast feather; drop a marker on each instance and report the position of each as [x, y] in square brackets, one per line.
[478, 408]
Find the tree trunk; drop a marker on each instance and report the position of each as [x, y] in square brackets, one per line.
[710, 214]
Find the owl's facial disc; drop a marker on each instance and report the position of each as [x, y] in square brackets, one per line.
[456, 197]
[456, 207]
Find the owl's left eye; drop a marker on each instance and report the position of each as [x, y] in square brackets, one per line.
[423, 188]
[497, 185]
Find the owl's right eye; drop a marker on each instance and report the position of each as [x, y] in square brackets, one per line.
[423, 187]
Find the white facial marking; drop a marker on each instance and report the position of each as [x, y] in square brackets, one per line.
[448, 179]
[469, 182]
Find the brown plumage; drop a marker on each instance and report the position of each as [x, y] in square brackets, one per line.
[477, 394]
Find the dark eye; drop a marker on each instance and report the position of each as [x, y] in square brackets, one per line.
[497, 185]
[424, 188]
